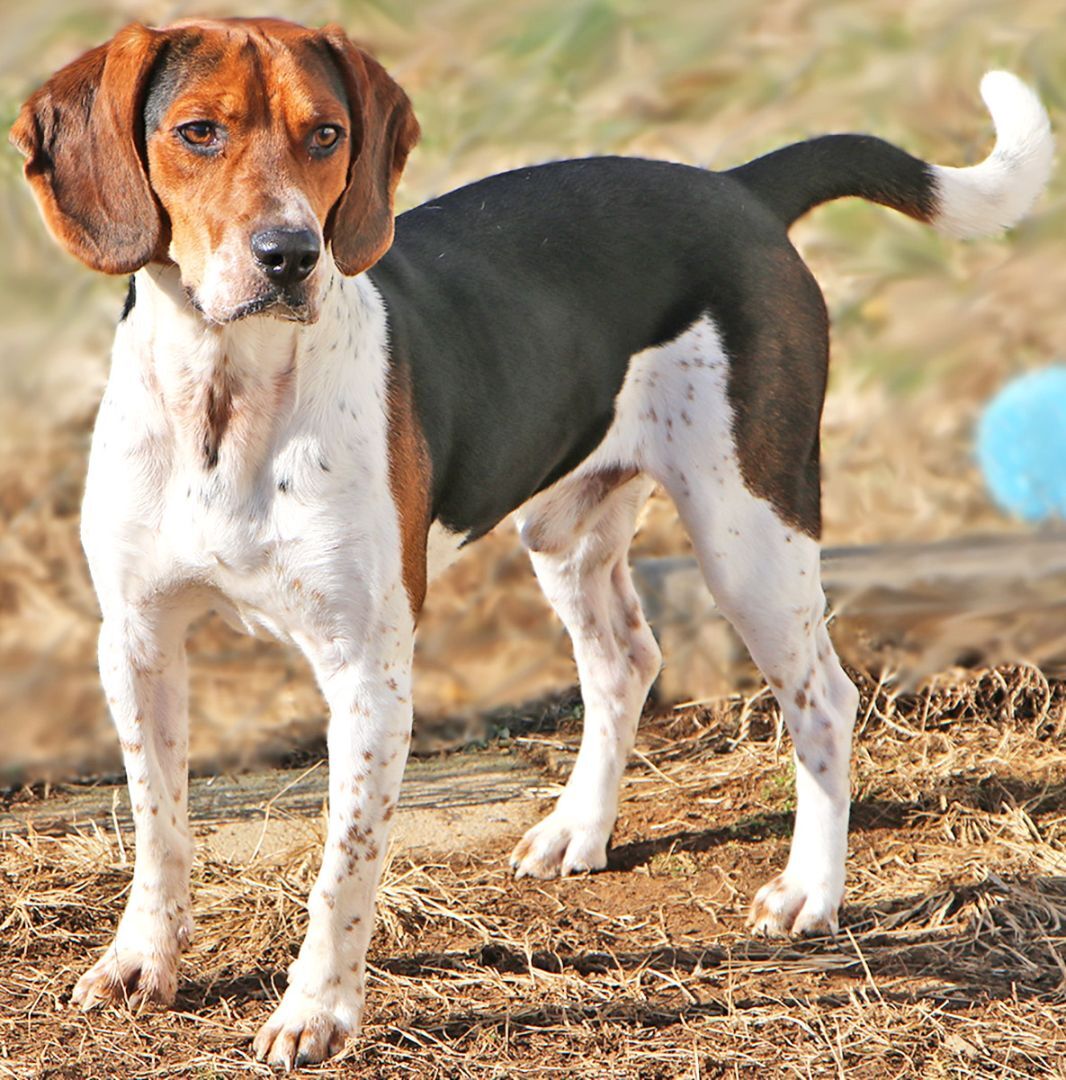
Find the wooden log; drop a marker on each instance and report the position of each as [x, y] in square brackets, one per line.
[917, 607]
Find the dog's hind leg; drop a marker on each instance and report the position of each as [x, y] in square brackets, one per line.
[764, 577]
[578, 540]
[762, 565]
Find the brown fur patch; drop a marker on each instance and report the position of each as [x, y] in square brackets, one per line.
[218, 408]
[79, 136]
[409, 480]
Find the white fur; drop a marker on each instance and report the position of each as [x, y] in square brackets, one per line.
[443, 547]
[317, 563]
[673, 423]
[991, 196]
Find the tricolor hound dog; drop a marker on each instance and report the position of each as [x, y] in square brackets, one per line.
[312, 407]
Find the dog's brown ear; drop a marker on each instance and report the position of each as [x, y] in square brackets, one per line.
[384, 130]
[82, 135]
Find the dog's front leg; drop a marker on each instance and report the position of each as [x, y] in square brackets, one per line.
[369, 733]
[142, 667]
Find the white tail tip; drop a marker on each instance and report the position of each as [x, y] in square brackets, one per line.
[994, 195]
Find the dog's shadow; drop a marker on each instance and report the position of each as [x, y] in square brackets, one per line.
[1006, 951]
[975, 793]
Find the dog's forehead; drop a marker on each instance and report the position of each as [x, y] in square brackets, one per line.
[250, 62]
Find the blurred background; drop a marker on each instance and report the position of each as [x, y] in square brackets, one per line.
[925, 329]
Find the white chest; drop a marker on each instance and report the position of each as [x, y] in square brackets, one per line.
[286, 519]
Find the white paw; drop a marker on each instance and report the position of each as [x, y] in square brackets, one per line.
[139, 968]
[561, 844]
[784, 907]
[306, 1029]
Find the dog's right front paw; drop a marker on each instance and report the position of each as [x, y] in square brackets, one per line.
[140, 967]
[122, 976]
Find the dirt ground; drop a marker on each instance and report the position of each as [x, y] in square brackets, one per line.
[951, 961]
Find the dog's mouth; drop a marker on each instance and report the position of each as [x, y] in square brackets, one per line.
[279, 305]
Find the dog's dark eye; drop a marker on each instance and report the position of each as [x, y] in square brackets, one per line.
[200, 134]
[325, 138]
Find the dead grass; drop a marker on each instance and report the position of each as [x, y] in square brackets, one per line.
[950, 963]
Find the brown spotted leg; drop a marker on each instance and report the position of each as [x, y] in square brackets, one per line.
[142, 666]
[369, 735]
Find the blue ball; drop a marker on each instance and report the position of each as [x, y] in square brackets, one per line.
[1021, 445]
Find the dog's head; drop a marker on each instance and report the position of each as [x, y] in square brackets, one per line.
[237, 149]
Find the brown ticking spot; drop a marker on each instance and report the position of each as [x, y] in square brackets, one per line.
[353, 922]
[822, 766]
[801, 699]
[391, 684]
[329, 900]
[368, 755]
[388, 813]
[129, 746]
[177, 794]
[333, 980]
[173, 819]
[775, 681]
[155, 810]
[297, 584]
[138, 808]
[371, 852]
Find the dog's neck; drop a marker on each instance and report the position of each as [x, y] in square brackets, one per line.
[227, 390]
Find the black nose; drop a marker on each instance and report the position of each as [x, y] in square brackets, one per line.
[286, 255]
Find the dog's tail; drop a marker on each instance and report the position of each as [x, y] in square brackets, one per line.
[975, 201]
